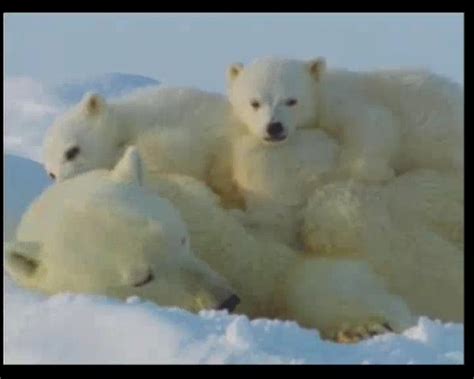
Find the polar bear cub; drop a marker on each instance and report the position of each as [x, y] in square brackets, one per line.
[388, 122]
[179, 130]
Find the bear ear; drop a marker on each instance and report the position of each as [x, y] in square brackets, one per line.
[317, 67]
[129, 168]
[94, 103]
[234, 70]
[22, 259]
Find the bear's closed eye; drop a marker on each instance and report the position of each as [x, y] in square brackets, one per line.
[72, 153]
[291, 102]
[255, 104]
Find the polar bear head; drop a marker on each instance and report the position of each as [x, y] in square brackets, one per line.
[85, 137]
[274, 96]
[102, 233]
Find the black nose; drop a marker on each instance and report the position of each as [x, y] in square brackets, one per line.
[230, 303]
[52, 176]
[275, 129]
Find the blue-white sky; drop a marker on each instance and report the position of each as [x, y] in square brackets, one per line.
[195, 49]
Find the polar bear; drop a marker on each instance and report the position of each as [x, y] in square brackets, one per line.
[411, 231]
[388, 122]
[114, 232]
[183, 130]
[96, 233]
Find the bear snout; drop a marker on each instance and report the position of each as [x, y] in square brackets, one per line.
[275, 132]
[230, 303]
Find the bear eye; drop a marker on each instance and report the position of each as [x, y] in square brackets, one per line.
[291, 102]
[255, 104]
[148, 278]
[72, 153]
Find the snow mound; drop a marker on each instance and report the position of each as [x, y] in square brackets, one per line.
[84, 329]
[31, 106]
[24, 180]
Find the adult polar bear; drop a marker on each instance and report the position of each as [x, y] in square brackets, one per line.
[182, 130]
[98, 233]
[411, 232]
[64, 243]
[387, 121]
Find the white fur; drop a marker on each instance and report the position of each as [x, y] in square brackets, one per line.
[387, 121]
[408, 229]
[103, 232]
[276, 180]
[181, 130]
[411, 231]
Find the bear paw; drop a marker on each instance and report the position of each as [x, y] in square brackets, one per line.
[354, 334]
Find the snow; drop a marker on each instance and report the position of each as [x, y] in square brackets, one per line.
[31, 106]
[24, 180]
[86, 329]
[67, 328]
